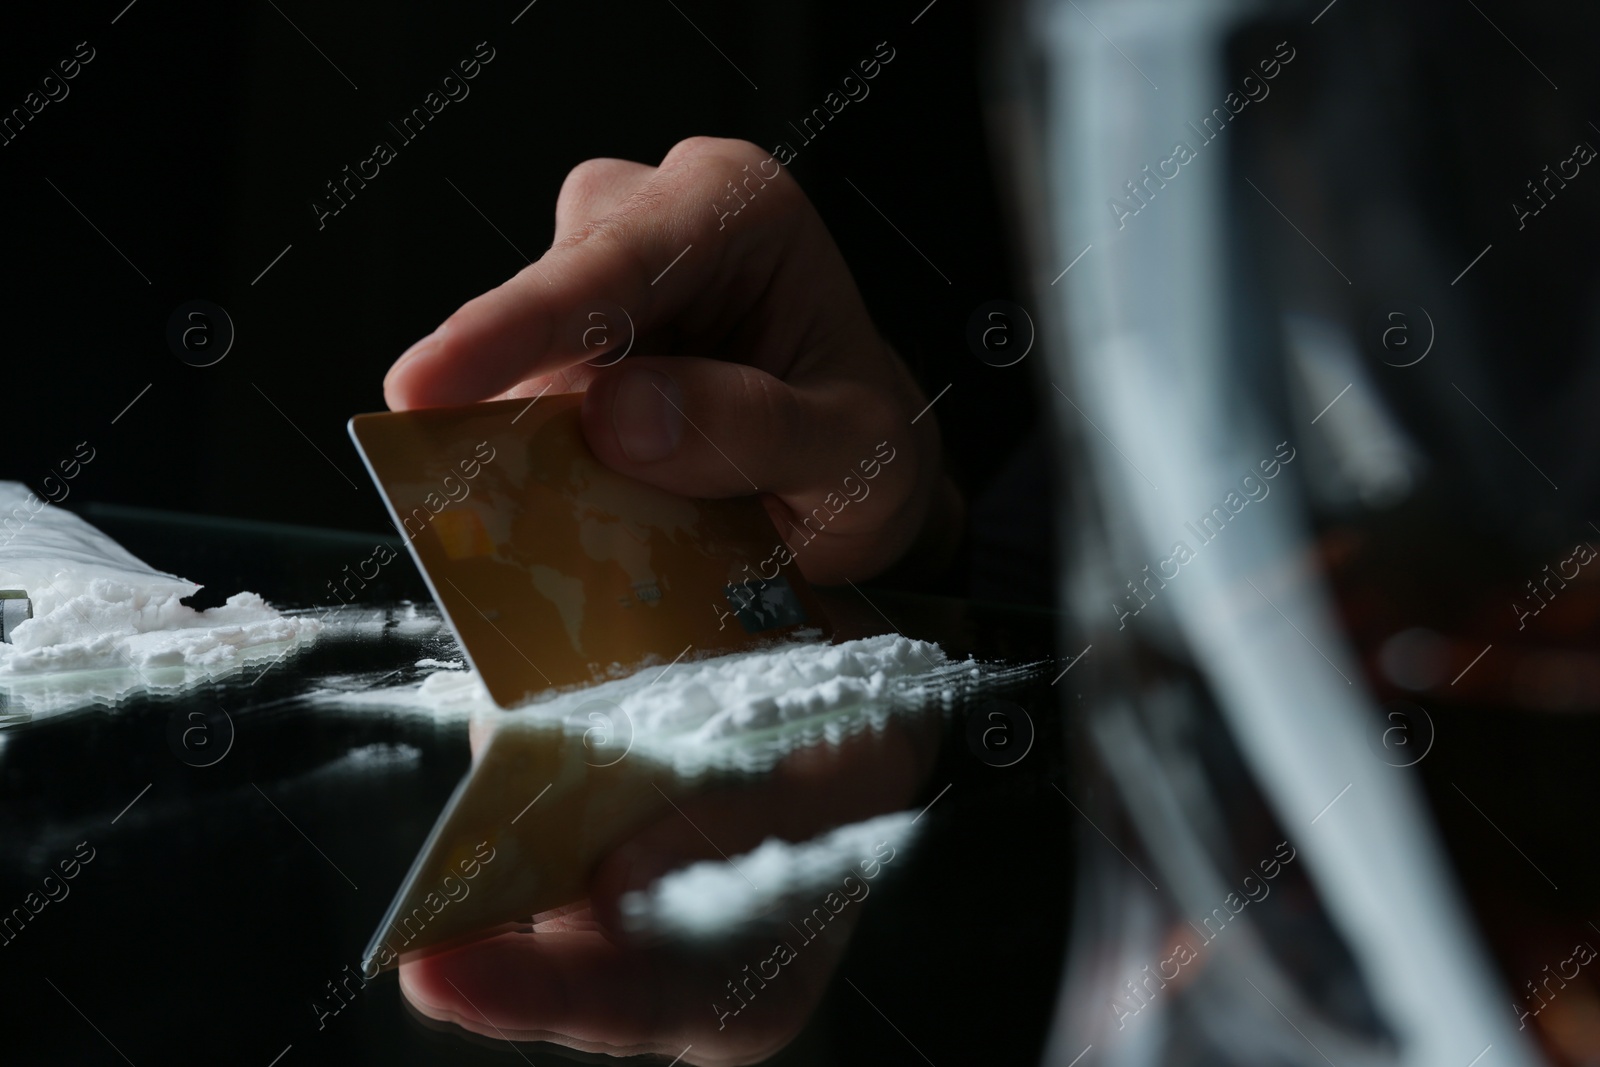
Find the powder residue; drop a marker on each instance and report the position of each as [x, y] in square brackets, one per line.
[98, 607]
[728, 695]
[104, 624]
[751, 692]
[762, 702]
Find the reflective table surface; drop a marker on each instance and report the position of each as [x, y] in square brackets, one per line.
[237, 845]
[233, 849]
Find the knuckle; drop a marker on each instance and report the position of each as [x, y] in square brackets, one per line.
[639, 202]
[623, 223]
[693, 148]
[585, 233]
[583, 182]
[595, 188]
[719, 154]
[745, 152]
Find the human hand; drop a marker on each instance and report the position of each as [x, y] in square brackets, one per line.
[755, 366]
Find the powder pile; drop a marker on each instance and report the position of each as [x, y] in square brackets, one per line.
[763, 702]
[751, 692]
[713, 897]
[97, 607]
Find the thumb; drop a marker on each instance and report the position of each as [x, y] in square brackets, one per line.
[709, 428]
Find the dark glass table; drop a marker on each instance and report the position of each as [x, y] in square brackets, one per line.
[235, 872]
[223, 880]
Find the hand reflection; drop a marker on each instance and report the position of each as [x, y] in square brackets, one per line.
[580, 979]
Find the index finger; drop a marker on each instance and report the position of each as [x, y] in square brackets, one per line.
[664, 254]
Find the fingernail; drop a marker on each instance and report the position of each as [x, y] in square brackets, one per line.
[646, 413]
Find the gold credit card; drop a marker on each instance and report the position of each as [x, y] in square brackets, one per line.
[554, 570]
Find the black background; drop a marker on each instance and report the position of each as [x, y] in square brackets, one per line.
[200, 134]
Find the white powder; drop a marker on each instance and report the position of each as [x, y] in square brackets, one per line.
[446, 694]
[740, 692]
[381, 755]
[97, 607]
[749, 692]
[412, 621]
[712, 897]
[763, 703]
